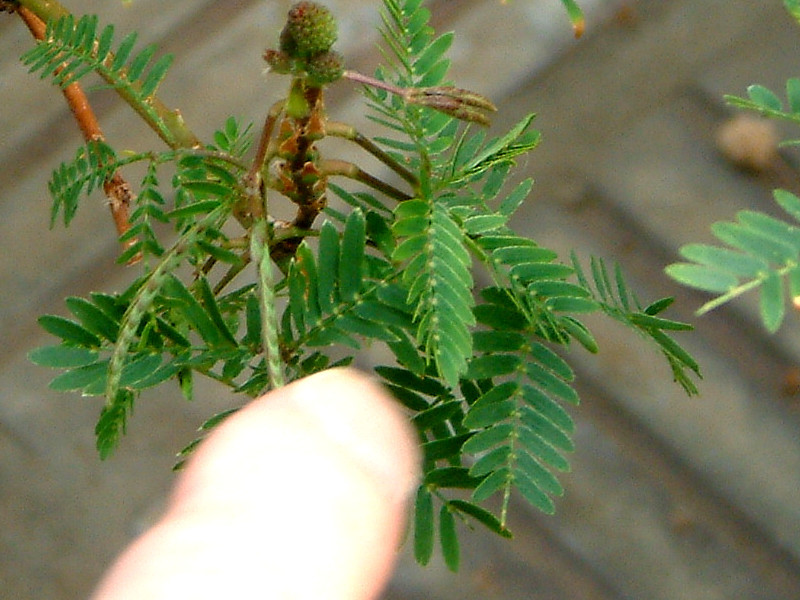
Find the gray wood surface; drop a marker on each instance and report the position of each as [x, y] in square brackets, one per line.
[670, 497]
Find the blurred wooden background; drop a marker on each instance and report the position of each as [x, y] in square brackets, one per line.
[670, 497]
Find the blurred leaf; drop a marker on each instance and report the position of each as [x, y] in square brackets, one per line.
[764, 97]
[449, 539]
[772, 303]
[424, 526]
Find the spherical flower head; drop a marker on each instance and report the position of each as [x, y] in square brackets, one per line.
[324, 68]
[310, 29]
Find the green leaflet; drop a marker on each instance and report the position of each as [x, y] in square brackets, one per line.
[762, 253]
[72, 48]
[481, 515]
[437, 274]
[616, 299]
[69, 331]
[764, 98]
[500, 151]
[62, 357]
[771, 303]
[449, 538]
[575, 15]
[424, 526]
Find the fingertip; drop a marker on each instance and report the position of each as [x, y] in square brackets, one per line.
[356, 412]
[300, 494]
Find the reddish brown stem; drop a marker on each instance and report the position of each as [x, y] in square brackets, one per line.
[117, 190]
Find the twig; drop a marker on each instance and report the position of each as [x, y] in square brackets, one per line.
[166, 123]
[457, 102]
[350, 133]
[117, 190]
[348, 169]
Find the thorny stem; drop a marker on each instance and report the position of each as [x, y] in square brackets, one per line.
[348, 169]
[117, 190]
[350, 133]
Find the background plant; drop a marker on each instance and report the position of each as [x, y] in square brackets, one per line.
[229, 292]
[760, 252]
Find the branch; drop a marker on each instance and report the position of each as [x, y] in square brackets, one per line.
[166, 123]
[347, 132]
[117, 190]
[456, 102]
[348, 169]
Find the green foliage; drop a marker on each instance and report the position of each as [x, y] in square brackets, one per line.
[769, 104]
[73, 48]
[760, 252]
[618, 301]
[480, 369]
[793, 6]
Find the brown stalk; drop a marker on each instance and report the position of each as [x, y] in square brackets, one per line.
[116, 189]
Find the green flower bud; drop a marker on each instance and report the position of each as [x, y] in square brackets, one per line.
[279, 62]
[324, 68]
[310, 29]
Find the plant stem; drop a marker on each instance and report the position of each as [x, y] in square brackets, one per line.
[266, 135]
[166, 123]
[117, 190]
[46, 10]
[259, 250]
[376, 83]
[350, 133]
[348, 169]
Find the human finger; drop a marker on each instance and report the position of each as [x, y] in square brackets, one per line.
[301, 494]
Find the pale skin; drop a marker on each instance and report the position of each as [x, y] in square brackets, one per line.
[300, 495]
